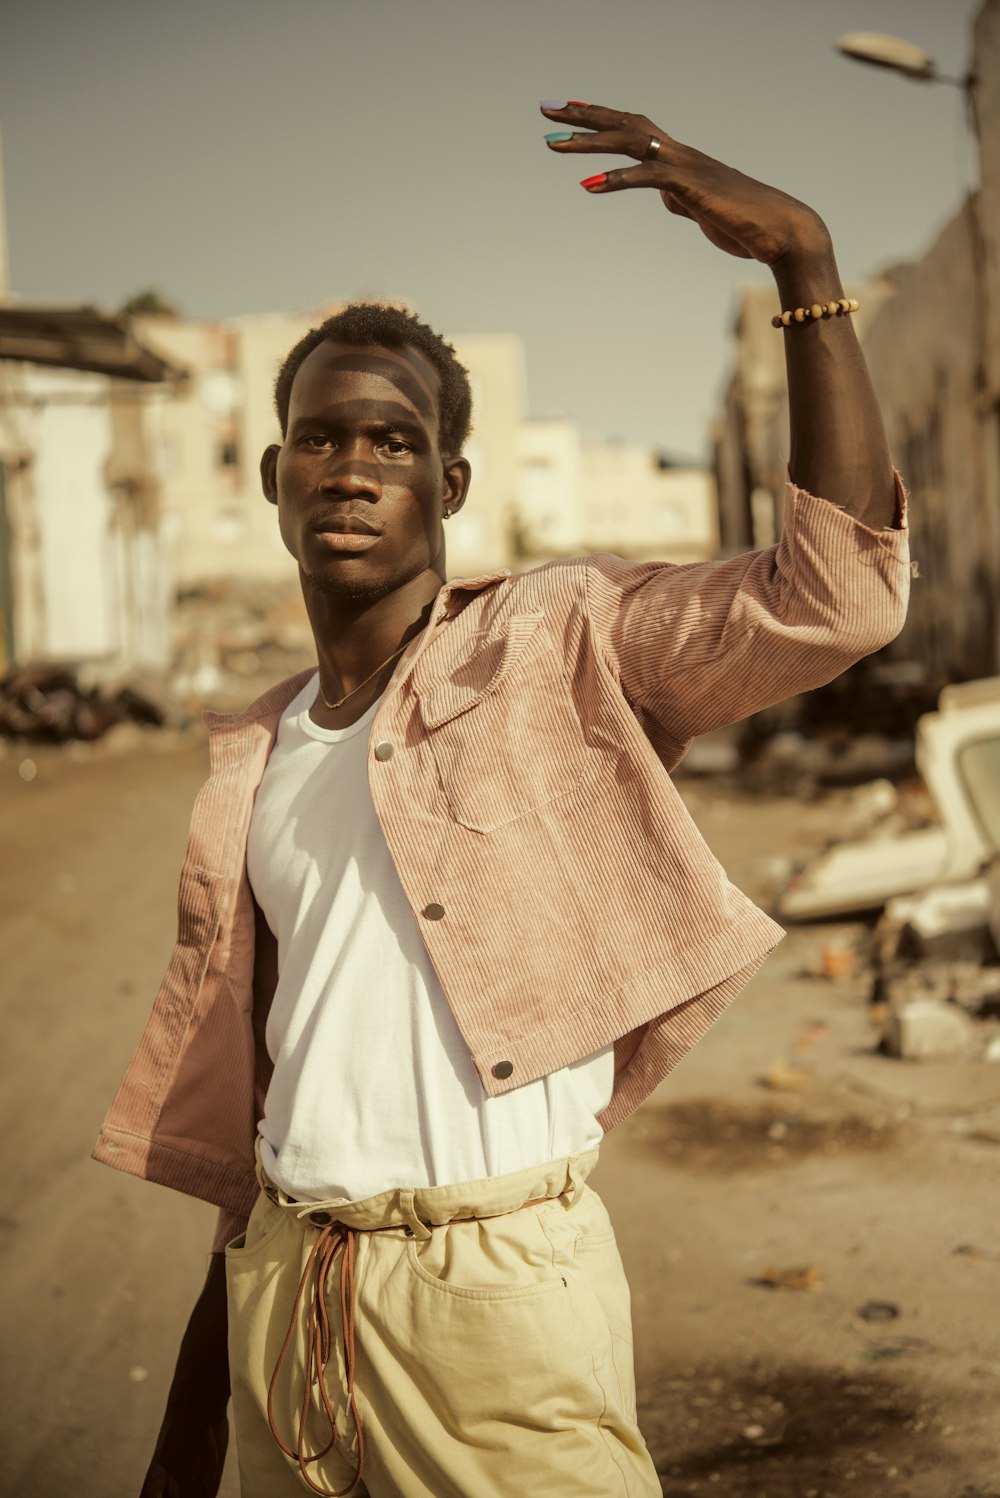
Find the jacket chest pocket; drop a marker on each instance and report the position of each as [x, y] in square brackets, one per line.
[503, 727]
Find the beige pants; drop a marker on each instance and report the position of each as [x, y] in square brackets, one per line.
[492, 1357]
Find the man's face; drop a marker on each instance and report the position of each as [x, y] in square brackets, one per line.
[360, 481]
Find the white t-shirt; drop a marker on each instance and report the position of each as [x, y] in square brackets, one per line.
[373, 1085]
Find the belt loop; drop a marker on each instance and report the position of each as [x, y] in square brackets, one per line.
[577, 1177]
[408, 1212]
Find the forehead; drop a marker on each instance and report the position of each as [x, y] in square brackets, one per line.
[337, 374]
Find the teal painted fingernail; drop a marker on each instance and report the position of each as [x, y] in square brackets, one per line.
[557, 135]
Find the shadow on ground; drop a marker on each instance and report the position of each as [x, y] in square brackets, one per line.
[795, 1432]
[708, 1134]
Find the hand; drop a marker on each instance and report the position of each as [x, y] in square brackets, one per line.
[738, 214]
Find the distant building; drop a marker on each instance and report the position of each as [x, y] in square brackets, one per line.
[585, 496]
[82, 573]
[931, 336]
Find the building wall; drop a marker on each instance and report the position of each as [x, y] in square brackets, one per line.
[481, 536]
[549, 520]
[986, 100]
[922, 353]
[87, 570]
[634, 506]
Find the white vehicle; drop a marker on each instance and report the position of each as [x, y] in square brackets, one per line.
[958, 755]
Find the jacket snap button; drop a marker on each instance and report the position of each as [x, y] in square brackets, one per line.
[384, 750]
[433, 912]
[320, 1219]
[502, 1070]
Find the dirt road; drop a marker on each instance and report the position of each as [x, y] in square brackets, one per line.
[873, 1369]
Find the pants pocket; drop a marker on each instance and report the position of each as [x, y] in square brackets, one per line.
[265, 1223]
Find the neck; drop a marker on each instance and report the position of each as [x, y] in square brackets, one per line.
[353, 636]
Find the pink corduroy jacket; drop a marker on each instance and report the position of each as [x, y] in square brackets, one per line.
[518, 766]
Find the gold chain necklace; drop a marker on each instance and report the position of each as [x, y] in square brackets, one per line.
[333, 705]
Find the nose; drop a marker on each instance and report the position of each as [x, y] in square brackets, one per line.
[352, 472]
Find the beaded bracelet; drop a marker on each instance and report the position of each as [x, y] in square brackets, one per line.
[842, 308]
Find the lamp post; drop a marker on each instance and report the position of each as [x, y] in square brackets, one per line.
[898, 56]
[892, 52]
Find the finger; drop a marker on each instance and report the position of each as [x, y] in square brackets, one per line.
[634, 143]
[598, 117]
[620, 179]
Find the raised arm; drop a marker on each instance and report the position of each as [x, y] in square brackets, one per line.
[838, 443]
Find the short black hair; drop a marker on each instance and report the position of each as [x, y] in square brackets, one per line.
[370, 324]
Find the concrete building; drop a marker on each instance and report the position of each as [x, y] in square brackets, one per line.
[931, 335]
[82, 570]
[585, 496]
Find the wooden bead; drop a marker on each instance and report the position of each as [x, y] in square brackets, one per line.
[838, 308]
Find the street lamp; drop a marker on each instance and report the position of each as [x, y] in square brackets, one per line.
[898, 56]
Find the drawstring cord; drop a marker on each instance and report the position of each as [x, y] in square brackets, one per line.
[335, 1238]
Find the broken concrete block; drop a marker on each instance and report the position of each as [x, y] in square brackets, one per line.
[971, 985]
[945, 921]
[928, 1030]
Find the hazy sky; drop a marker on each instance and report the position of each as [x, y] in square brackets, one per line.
[252, 156]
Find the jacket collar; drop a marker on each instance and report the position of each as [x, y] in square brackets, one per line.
[274, 701]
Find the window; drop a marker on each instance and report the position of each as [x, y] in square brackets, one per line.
[979, 768]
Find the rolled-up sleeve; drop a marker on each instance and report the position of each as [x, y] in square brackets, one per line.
[698, 647]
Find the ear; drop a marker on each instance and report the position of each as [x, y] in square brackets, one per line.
[269, 473]
[457, 477]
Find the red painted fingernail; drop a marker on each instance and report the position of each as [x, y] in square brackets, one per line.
[589, 182]
[578, 102]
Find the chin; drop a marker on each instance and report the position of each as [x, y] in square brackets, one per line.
[347, 583]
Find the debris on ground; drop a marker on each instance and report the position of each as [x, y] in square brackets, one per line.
[928, 1030]
[945, 920]
[956, 751]
[801, 1278]
[971, 1252]
[49, 704]
[838, 960]
[878, 1310]
[235, 636]
[781, 1077]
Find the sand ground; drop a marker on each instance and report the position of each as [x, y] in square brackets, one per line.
[876, 1182]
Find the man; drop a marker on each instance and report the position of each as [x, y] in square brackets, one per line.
[444, 920]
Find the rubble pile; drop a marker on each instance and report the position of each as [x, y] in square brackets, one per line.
[856, 728]
[49, 704]
[936, 973]
[235, 637]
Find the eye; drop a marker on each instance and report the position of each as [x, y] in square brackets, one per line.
[396, 447]
[315, 441]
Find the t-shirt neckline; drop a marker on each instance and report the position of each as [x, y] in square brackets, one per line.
[304, 704]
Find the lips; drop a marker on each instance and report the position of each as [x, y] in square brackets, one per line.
[344, 525]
